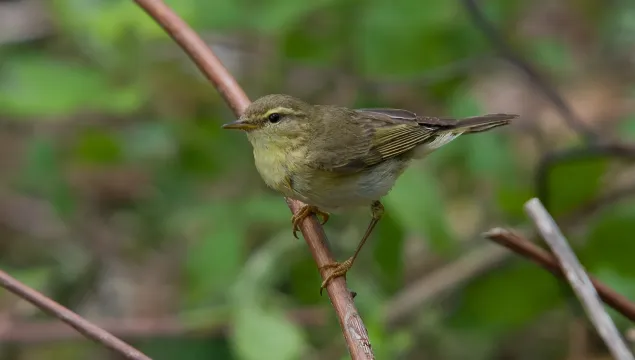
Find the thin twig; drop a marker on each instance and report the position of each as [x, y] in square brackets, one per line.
[469, 265]
[351, 323]
[533, 252]
[578, 278]
[80, 324]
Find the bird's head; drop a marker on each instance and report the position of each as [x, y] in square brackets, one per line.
[275, 119]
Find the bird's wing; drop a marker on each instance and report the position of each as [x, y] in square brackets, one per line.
[372, 136]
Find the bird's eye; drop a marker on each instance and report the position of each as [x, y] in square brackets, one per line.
[274, 118]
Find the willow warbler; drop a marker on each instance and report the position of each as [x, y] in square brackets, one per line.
[332, 157]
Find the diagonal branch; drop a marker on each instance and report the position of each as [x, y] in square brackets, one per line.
[533, 252]
[351, 323]
[578, 279]
[80, 324]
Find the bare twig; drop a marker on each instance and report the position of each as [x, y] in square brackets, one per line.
[526, 248]
[352, 326]
[578, 278]
[80, 324]
[469, 265]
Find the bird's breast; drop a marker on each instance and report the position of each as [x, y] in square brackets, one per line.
[272, 168]
[279, 167]
[287, 171]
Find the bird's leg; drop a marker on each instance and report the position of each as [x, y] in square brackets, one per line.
[304, 212]
[340, 269]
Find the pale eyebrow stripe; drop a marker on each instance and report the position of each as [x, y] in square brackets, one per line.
[282, 110]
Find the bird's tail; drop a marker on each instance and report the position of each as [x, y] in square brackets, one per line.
[482, 123]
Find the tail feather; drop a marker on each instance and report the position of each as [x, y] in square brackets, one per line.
[481, 123]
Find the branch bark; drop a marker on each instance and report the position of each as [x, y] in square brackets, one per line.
[353, 328]
[578, 279]
[80, 324]
[533, 252]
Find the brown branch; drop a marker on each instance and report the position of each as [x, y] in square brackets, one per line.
[578, 279]
[80, 324]
[526, 248]
[351, 323]
[20, 331]
[477, 260]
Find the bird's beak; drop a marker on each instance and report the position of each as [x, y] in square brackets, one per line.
[239, 125]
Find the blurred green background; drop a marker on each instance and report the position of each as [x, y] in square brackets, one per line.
[121, 197]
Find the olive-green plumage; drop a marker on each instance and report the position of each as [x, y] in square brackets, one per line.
[333, 157]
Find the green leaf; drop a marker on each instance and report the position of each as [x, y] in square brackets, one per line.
[417, 205]
[508, 298]
[263, 334]
[571, 184]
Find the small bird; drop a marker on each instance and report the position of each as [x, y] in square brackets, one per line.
[333, 157]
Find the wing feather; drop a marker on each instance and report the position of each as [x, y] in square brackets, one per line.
[372, 136]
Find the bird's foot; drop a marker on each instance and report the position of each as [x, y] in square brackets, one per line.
[338, 269]
[305, 212]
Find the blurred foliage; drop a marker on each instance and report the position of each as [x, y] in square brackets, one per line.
[114, 138]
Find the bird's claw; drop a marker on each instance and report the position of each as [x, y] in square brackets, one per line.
[305, 212]
[339, 269]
